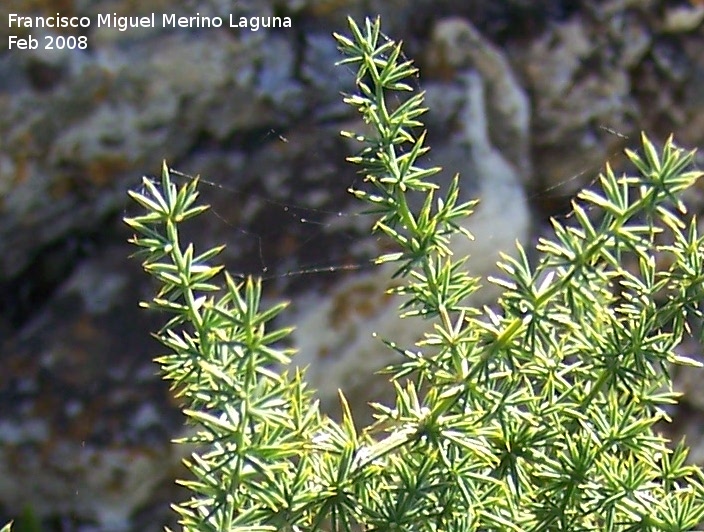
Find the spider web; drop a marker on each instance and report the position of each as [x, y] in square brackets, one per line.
[286, 234]
[293, 245]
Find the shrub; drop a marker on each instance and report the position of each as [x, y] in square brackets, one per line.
[536, 416]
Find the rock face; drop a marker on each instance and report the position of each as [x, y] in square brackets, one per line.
[527, 102]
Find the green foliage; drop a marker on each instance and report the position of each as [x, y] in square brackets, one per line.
[537, 416]
[27, 521]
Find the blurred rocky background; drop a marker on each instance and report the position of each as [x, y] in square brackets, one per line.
[85, 422]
